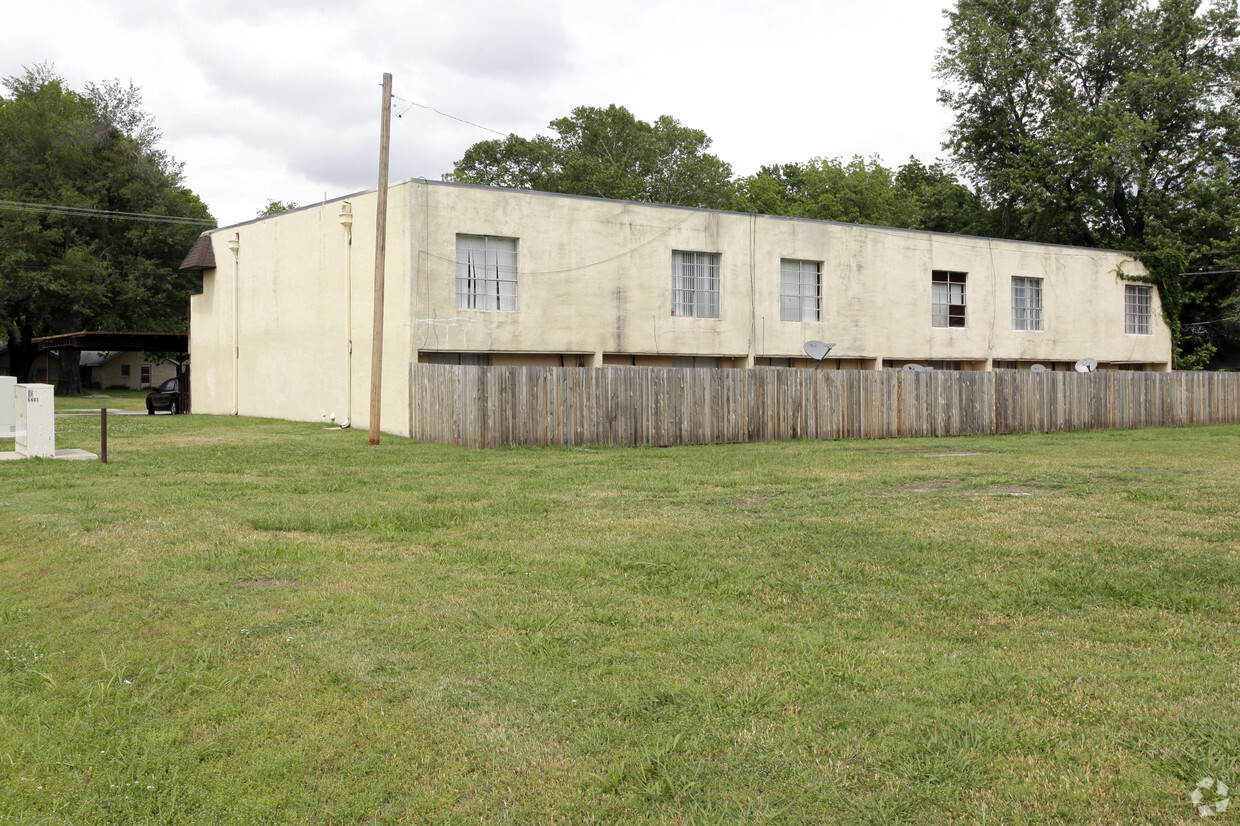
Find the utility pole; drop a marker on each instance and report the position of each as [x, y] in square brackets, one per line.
[376, 351]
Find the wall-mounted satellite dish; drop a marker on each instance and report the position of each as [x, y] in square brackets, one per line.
[1086, 365]
[817, 350]
[1038, 368]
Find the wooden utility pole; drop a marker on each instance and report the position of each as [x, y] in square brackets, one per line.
[376, 351]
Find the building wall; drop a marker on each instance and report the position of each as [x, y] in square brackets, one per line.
[597, 275]
[594, 287]
[305, 298]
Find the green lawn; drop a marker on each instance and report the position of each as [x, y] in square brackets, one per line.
[93, 400]
[247, 621]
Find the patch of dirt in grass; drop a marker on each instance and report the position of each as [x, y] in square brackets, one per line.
[756, 501]
[1002, 492]
[924, 486]
[264, 582]
[931, 484]
[893, 449]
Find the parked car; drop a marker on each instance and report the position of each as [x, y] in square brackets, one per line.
[165, 397]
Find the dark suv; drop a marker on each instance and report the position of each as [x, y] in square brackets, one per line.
[165, 397]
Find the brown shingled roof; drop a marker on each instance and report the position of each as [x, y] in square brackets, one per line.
[202, 256]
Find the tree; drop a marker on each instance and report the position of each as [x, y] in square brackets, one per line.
[862, 192]
[941, 202]
[70, 164]
[276, 207]
[606, 153]
[865, 192]
[1109, 123]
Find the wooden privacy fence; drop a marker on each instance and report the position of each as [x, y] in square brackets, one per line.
[628, 406]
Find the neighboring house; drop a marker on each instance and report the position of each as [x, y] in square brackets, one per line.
[478, 275]
[112, 369]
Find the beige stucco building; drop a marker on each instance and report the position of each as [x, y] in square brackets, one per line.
[478, 275]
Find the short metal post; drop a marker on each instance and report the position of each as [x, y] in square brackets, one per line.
[103, 435]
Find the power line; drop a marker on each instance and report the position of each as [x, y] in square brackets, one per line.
[446, 115]
[83, 212]
[165, 273]
[1227, 320]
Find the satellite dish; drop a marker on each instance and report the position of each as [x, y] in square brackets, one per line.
[817, 350]
[914, 368]
[1038, 368]
[1086, 365]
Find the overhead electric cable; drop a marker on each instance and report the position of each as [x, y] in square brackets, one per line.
[446, 115]
[84, 212]
[1227, 320]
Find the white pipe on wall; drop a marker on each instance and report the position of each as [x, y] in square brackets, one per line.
[346, 220]
[234, 245]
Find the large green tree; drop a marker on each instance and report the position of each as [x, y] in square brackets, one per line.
[70, 164]
[864, 191]
[607, 153]
[1111, 123]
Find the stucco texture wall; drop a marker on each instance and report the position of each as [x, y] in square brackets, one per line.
[285, 317]
[595, 276]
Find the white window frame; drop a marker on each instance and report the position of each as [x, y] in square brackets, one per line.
[695, 284]
[144, 374]
[800, 290]
[1138, 305]
[948, 307]
[486, 273]
[1026, 303]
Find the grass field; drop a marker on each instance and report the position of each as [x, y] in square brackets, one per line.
[246, 621]
[95, 399]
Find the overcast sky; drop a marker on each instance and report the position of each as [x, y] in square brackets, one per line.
[280, 99]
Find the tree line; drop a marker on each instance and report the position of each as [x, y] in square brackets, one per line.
[609, 153]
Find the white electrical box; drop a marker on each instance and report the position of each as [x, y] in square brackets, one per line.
[8, 406]
[35, 420]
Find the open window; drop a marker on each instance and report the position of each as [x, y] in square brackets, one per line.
[947, 298]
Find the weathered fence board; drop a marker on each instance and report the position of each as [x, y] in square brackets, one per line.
[492, 406]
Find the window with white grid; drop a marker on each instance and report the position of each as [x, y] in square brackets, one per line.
[486, 273]
[947, 306]
[800, 290]
[695, 284]
[1136, 309]
[1026, 303]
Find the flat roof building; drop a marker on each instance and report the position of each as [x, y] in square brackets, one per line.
[479, 275]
